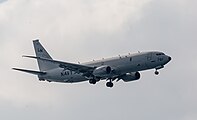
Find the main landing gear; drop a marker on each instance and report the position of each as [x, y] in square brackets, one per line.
[92, 81]
[110, 84]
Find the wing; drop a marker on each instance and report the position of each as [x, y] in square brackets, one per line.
[69, 66]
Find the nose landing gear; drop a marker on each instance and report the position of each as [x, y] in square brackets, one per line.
[156, 72]
[157, 68]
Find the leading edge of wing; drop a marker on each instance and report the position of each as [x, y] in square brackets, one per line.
[70, 66]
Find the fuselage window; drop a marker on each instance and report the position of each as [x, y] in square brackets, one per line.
[158, 54]
[130, 59]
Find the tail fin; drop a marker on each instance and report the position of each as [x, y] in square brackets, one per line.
[41, 52]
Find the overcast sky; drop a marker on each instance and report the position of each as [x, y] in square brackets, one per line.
[82, 30]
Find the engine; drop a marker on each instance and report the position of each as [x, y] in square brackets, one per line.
[131, 77]
[102, 71]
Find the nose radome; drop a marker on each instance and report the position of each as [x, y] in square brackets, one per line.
[169, 58]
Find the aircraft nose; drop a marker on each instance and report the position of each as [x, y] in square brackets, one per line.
[169, 58]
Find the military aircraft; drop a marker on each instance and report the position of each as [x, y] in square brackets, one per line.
[124, 68]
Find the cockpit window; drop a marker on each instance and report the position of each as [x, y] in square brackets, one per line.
[160, 54]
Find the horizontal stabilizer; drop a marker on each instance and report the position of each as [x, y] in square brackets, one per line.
[30, 71]
[27, 56]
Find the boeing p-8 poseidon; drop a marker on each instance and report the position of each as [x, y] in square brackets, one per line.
[124, 68]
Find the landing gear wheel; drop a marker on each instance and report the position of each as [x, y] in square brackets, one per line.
[109, 84]
[92, 81]
[156, 72]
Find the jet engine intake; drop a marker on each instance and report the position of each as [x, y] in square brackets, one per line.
[131, 77]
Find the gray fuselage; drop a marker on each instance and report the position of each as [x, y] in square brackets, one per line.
[121, 64]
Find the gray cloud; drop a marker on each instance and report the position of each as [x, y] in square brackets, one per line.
[2, 1]
[90, 29]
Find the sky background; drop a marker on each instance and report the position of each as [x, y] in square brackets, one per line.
[82, 30]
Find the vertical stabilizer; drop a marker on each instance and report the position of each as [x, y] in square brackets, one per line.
[41, 52]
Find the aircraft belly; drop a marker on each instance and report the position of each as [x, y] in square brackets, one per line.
[65, 78]
[72, 78]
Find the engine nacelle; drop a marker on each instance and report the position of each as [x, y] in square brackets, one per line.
[131, 77]
[102, 71]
